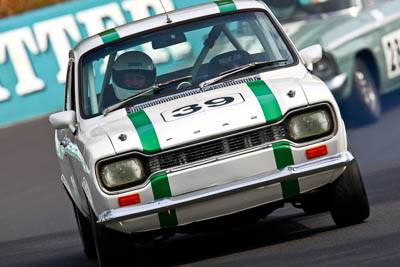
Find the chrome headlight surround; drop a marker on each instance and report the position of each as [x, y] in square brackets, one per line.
[122, 172]
[310, 124]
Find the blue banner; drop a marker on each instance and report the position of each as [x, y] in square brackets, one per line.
[34, 49]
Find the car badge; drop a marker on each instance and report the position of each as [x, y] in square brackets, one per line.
[291, 93]
[122, 137]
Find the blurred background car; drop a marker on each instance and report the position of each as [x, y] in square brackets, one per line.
[361, 43]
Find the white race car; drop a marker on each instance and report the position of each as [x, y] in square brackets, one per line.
[196, 114]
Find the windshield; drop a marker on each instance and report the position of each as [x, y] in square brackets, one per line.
[296, 9]
[178, 58]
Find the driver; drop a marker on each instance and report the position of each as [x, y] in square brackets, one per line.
[133, 72]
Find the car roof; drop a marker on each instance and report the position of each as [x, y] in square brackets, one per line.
[160, 20]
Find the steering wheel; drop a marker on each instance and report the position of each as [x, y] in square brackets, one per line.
[227, 61]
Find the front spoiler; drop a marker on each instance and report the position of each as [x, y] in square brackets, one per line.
[294, 171]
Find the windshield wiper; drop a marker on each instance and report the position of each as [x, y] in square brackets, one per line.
[252, 65]
[154, 88]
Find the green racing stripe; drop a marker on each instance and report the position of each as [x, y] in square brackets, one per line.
[226, 5]
[109, 35]
[283, 157]
[267, 100]
[160, 185]
[161, 189]
[282, 151]
[145, 130]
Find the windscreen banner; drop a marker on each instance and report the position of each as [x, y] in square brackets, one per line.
[34, 49]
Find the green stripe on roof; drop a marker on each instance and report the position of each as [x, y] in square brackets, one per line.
[267, 100]
[161, 189]
[226, 5]
[283, 157]
[109, 35]
[146, 132]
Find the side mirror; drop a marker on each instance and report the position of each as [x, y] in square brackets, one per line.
[311, 55]
[63, 120]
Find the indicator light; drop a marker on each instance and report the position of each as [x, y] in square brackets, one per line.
[129, 200]
[317, 151]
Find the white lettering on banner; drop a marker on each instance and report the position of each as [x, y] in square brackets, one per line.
[4, 94]
[14, 42]
[55, 31]
[93, 19]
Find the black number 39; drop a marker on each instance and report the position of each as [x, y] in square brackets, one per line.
[213, 103]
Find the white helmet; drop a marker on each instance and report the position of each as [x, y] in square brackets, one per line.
[132, 62]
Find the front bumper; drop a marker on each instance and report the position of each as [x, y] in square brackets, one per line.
[295, 171]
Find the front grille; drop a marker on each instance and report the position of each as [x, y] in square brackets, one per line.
[217, 147]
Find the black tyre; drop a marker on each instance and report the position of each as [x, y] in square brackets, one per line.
[112, 247]
[364, 105]
[85, 231]
[348, 202]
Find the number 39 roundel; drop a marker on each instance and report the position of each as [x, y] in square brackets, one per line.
[191, 109]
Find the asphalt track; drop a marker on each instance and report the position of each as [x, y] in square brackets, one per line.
[37, 226]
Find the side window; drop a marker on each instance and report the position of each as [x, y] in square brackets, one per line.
[69, 103]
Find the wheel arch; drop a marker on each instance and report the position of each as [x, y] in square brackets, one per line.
[368, 57]
[363, 108]
[68, 194]
[74, 202]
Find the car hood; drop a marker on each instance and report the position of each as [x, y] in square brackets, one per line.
[198, 115]
[319, 30]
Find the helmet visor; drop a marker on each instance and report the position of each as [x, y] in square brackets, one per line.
[132, 80]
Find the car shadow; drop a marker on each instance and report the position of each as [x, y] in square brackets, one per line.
[188, 249]
[65, 248]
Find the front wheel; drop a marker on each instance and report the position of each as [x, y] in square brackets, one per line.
[348, 202]
[85, 232]
[112, 247]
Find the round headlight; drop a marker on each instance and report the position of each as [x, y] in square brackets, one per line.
[310, 124]
[122, 172]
